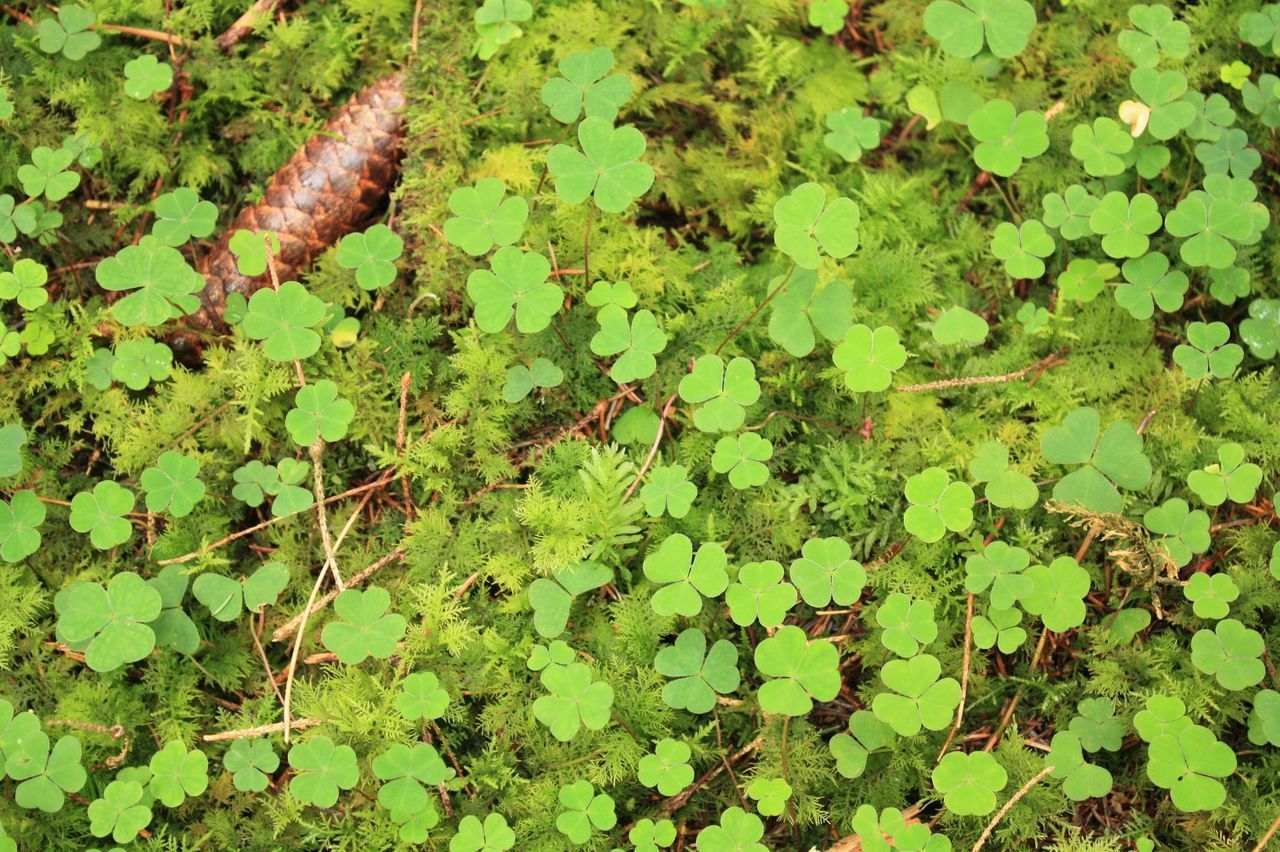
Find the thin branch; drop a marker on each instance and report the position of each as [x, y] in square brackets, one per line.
[653, 450]
[759, 308]
[1266, 838]
[1013, 800]
[261, 730]
[246, 23]
[964, 676]
[330, 558]
[678, 801]
[1043, 364]
[292, 625]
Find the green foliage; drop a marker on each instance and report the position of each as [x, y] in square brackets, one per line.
[969, 782]
[366, 629]
[482, 218]
[1006, 137]
[607, 168]
[322, 769]
[802, 670]
[961, 28]
[284, 320]
[808, 226]
[585, 88]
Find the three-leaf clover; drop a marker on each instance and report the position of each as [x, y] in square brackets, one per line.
[721, 392]
[173, 484]
[1230, 652]
[1162, 92]
[908, 625]
[606, 168]
[801, 308]
[850, 132]
[759, 594]
[1125, 224]
[961, 28]
[969, 782]
[1070, 211]
[999, 628]
[668, 490]
[585, 88]
[1100, 147]
[1211, 219]
[1149, 283]
[1262, 28]
[1097, 726]
[514, 285]
[575, 701]
[685, 578]
[541, 373]
[1207, 351]
[1264, 718]
[318, 412]
[101, 513]
[12, 439]
[802, 672]
[25, 284]
[1005, 487]
[743, 457]
[120, 812]
[1084, 278]
[138, 363]
[584, 809]
[808, 226]
[1229, 154]
[869, 358]
[1005, 137]
[224, 596]
[851, 750]
[482, 218]
[638, 339]
[770, 795]
[20, 520]
[163, 282]
[1227, 285]
[1188, 765]
[1057, 593]
[828, 15]
[421, 697]
[551, 597]
[1182, 532]
[738, 831]
[1230, 478]
[250, 250]
[937, 504]
[1022, 248]
[46, 775]
[493, 835]
[496, 24]
[698, 674]
[1261, 329]
[826, 573]
[177, 773]
[372, 254]
[407, 772]
[1163, 715]
[146, 75]
[47, 174]
[1000, 567]
[1080, 780]
[249, 761]
[1157, 33]
[1113, 456]
[667, 768]
[284, 320]
[69, 33]
[321, 770]
[890, 830]
[110, 624]
[959, 325]
[1211, 594]
[366, 629]
[181, 215]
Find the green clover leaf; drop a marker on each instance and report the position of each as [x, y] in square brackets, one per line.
[493, 835]
[1148, 284]
[584, 809]
[1080, 780]
[318, 412]
[1264, 718]
[482, 219]
[722, 393]
[1115, 457]
[999, 628]
[801, 308]
[111, 624]
[372, 255]
[1228, 285]
[1084, 279]
[937, 505]
[585, 88]
[496, 24]
[322, 769]
[25, 284]
[604, 293]
[684, 578]
[1207, 352]
[1000, 567]
[69, 34]
[1100, 147]
[869, 358]
[101, 514]
[1211, 594]
[1230, 154]
[850, 132]
[1210, 221]
[47, 174]
[1005, 487]
[908, 625]
[284, 320]
[1163, 715]
[575, 701]
[254, 481]
[421, 697]
[181, 215]
[366, 629]
[514, 285]
[1163, 92]
[668, 490]
[1097, 726]
[802, 672]
[827, 573]
[163, 283]
[542, 373]
[961, 28]
[667, 768]
[808, 226]
[1262, 28]
[698, 674]
[1058, 593]
[177, 773]
[770, 795]
[1188, 765]
[173, 484]
[1263, 99]
[1005, 137]
[738, 831]
[1022, 248]
[1157, 33]
[46, 775]
[407, 773]
[145, 75]
[120, 812]
[250, 250]
[20, 520]
[1230, 478]
[1125, 224]
[249, 762]
[890, 831]
[1070, 211]
[828, 15]
[1181, 532]
[551, 597]
[137, 363]
[969, 782]
[760, 595]
[637, 339]
[958, 325]
[851, 750]
[1230, 652]
[224, 596]
[743, 457]
[606, 168]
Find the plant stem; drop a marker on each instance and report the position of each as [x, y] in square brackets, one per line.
[1013, 800]
[758, 309]
[586, 244]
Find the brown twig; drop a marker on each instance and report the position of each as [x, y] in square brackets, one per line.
[964, 676]
[853, 843]
[678, 801]
[1044, 363]
[291, 626]
[245, 23]
[261, 730]
[1266, 838]
[1013, 800]
[653, 450]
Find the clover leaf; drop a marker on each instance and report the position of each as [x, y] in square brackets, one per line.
[851, 750]
[808, 226]
[163, 283]
[1070, 211]
[1230, 652]
[1162, 92]
[999, 628]
[111, 624]
[137, 363]
[743, 457]
[801, 308]
[770, 795]
[603, 293]
[667, 768]
[722, 392]
[1230, 154]
[1081, 780]
[850, 132]
[372, 254]
[1005, 487]
[173, 484]
[908, 625]
[322, 769]
[408, 772]
[46, 775]
[803, 671]
[937, 505]
[1097, 727]
[1228, 285]
[1181, 532]
[575, 701]
[828, 15]
[1207, 352]
[1262, 28]
[1058, 592]
[737, 831]
[684, 578]
[637, 339]
[1264, 718]
[177, 773]
[1231, 478]
[120, 812]
[1114, 457]
[961, 28]
[250, 250]
[1099, 147]
[25, 284]
[20, 520]
[698, 674]
[224, 596]
[1157, 33]
[826, 573]
[421, 697]
[493, 835]
[1022, 248]
[1263, 99]
[318, 412]
[284, 320]
[891, 831]
[1163, 715]
[514, 285]
[47, 174]
[584, 809]
[12, 439]
[1084, 279]
[760, 595]
[1005, 137]
[145, 75]
[958, 325]
[869, 358]
[249, 761]
[101, 514]
[1149, 284]
[496, 24]
[551, 597]
[482, 218]
[1211, 594]
[1210, 221]
[969, 782]
[181, 215]
[254, 481]
[1188, 765]
[668, 490]
[366, 629]
[586, 87]
[1000, 567]
[607, 168]
[1125, 224]
[69, 34]
[542, 373]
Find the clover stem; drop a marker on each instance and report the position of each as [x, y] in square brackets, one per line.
[1013, 800]
[759, 308]
[964, 676]
[1014, 210]
[586, 244]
